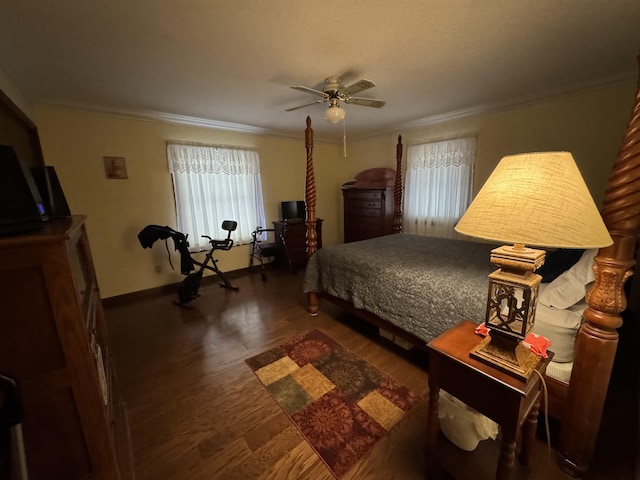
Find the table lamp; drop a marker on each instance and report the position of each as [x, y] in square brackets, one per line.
[537, 199]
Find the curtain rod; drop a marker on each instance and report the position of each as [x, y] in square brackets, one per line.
[211, 145]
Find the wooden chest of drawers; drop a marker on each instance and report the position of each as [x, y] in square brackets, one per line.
[368, 213]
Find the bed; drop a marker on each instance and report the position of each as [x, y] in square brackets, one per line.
[578, 390]
[441, 279]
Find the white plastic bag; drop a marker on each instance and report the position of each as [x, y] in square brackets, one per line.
[463, 425]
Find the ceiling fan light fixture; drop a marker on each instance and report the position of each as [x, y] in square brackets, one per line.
[334, 114]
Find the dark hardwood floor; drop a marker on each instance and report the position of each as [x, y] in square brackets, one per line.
[196, 410]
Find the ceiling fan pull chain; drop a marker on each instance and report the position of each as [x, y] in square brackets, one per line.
[344, 136]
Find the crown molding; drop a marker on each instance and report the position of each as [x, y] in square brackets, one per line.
[162, 117]
[418, 123]
[526, 101]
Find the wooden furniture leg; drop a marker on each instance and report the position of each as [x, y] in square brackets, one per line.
[528, 434]
[313, 303]
[507, 458]
[433, 425]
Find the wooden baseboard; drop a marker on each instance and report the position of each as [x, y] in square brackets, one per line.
[126, 298]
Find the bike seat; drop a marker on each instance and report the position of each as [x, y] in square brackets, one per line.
[227, 243]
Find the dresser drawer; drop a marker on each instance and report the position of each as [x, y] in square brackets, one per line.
[363, 203]
[364, 212]
[356, 195]
[363, 222]
[368, 213]
[354, 233]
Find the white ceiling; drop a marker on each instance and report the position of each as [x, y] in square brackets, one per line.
[230, 63]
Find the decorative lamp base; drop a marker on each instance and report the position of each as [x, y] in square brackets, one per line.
[506, 354]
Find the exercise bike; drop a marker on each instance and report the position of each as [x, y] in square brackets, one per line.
[188, 289]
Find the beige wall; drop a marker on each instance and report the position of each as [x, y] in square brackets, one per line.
[75, 141]
[588, 124]
[11, 90]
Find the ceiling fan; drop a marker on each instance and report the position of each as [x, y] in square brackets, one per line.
[335, 92]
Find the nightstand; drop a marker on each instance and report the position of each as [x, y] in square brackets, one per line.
[510, 402]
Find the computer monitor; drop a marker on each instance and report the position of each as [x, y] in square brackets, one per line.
[293, 210]
[21, 207]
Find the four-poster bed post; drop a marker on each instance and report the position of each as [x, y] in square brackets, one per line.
[597, 339]
[397, 189]
[310, 191]
[310, 200]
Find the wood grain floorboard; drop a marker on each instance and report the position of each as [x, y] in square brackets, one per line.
[198, 412]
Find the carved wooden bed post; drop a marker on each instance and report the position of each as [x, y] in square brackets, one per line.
[310, 192]
[310, 201]
[598, 338]
[397, 189]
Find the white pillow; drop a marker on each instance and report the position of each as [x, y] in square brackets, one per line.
[571, 286]
[559, 326]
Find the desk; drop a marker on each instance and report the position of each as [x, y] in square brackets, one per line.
[510, 402]
[294, 235]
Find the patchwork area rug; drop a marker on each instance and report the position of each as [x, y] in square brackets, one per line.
[341, 404]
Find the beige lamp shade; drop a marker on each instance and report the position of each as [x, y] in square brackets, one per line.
[536, 199]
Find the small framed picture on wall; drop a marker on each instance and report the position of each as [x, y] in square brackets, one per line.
[115, 167]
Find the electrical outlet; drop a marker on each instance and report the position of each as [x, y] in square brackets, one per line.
[158, 269]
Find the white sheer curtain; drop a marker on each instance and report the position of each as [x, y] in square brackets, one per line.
[439, 185]
[212, 184]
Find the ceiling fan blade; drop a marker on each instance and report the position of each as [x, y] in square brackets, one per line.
[302, 106]
[365, 102]
[310, 90]
[359, 86]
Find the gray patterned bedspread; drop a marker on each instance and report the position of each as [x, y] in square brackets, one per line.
[423, 285]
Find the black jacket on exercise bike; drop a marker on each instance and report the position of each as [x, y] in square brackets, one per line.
[149, 234]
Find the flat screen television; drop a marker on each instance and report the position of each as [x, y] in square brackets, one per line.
[21, 207]
[293, 211]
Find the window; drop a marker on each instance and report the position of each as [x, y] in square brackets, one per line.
[439, 185]
[212, 184]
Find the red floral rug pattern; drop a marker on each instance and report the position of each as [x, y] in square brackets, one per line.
[341, 404]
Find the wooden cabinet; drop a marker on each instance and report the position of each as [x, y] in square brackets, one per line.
[54, 344]
[294, 235]
[368, 213]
